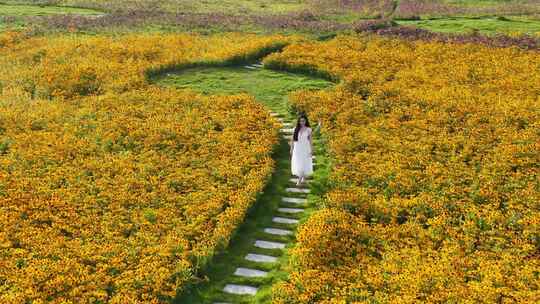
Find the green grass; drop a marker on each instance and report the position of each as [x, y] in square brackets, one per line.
[476, 3]
[239, 6]
[347, 17]
[199, 6]
[37, 10]
[270, 88]
[486, 25]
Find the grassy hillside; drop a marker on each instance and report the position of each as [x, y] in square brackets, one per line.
[447, 16]
[38, 10]
[487, 25]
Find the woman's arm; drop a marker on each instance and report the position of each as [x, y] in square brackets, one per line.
[291, 143]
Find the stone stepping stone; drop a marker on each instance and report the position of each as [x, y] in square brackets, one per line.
[259, 65]
[284, 220]
[295, 180]
[308, 178]
[298, 190]
[287, 130]
[269, 245]
[294, 200]
[250, 273]
[250, 67]
[288, 125]
[276, 231]
[260, 258]
[240, 289]
[274, 114]
[290, 210]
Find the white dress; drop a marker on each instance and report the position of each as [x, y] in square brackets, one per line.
[301, 161]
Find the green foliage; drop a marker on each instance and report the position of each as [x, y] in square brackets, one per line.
[486, 25]
[4, 146]
[41, 10]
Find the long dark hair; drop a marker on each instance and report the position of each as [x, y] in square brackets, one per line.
[297, 128]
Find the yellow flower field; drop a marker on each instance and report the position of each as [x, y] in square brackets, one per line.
[436, 193]
[112, 189]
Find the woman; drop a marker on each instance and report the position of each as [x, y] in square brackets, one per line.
[301, 150]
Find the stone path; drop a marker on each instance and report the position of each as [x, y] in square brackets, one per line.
[284, 223]
[254, 66]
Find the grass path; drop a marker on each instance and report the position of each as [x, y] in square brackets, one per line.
[270, 88]
[40, 10]
[267, 86]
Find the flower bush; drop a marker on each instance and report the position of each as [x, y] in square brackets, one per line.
[113, 189]
[436, 171]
